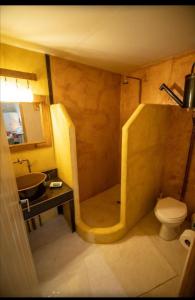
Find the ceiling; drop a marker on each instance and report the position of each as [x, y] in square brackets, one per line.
[117, 38]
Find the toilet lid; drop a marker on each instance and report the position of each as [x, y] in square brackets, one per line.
[171, 208]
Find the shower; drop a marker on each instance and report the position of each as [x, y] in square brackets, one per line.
[125, 81]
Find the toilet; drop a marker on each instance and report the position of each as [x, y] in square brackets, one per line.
[171, 213]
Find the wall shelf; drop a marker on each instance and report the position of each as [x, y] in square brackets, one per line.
[18, 74]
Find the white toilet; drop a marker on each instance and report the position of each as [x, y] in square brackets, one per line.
[171, 213]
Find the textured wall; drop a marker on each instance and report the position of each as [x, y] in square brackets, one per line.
[177, 146]
[92, 99]
[172, 72]
[143, 143]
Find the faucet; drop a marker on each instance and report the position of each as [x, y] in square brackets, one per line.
[20, 161]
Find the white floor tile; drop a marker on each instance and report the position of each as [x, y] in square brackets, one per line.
[141, 264]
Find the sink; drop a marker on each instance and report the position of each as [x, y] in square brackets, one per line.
[31, 185]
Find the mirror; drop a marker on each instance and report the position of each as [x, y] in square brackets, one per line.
[23, 122]
[28, 125]
[26, 115]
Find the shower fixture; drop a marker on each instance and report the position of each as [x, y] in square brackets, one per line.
[189, 91]
[125, 81]
[189, 104]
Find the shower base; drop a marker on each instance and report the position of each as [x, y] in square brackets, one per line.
[102, 210]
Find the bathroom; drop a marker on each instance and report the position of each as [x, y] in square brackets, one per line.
[91, 117]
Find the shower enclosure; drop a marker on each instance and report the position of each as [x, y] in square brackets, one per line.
[145, 154]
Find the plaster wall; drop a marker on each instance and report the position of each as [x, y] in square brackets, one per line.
[92, 99]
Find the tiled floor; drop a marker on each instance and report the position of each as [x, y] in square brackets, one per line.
[140, 264]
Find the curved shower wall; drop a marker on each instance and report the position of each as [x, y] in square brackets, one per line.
[66, 161]
[143, 149]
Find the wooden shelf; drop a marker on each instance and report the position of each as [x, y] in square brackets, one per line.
[17, 74]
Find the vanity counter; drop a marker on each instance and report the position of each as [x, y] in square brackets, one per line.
[52, 197]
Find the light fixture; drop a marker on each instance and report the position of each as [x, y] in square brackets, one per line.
[14, 90]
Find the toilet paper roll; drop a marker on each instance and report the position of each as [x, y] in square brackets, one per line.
[187, 238]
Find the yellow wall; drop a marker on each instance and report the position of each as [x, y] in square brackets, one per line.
[19, 59]
[61, 124]
[65, 151]
[27, 61]
[40, 159]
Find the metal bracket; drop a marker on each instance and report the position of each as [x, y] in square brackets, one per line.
[25, 201]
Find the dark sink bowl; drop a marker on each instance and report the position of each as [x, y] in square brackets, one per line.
[31, 185]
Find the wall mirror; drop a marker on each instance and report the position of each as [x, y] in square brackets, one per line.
[23, 122]
[27, 125]
[27, 120]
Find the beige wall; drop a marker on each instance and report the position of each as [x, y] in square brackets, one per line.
[19, 59]
[92, 99]
[172, 72]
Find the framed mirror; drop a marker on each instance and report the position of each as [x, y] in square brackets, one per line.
[27, 125]
[22, 122]
[27, 121]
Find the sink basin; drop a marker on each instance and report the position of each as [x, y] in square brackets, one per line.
[31, 185]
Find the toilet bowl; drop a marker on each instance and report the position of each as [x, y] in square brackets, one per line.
[171, 213]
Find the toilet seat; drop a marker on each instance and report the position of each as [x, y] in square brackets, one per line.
[171, 210]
